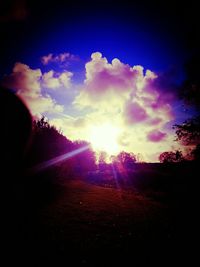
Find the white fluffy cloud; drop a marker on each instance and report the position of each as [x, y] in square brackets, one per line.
[27, 83]
[53, 80]
[129, 98]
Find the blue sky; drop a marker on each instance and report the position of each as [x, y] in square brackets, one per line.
[135, 43]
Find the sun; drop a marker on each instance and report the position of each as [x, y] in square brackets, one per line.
[105, 138]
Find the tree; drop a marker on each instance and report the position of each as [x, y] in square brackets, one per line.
[85, 161]
[47, 142]
[126, 159]
[170, 156]
[102, 160]
[188, 132]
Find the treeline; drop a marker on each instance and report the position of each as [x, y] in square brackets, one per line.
[48, 143]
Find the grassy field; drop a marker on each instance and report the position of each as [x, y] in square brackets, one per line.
[92, 222]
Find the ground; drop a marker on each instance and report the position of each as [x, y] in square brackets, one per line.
[99, 224]
[150, 218]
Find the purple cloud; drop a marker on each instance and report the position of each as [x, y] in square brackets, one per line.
[156, 136]
[62, 58]
[155, 121]
[134, 113]
[102, 76]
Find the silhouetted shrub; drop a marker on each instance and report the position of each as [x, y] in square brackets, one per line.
[169, 157]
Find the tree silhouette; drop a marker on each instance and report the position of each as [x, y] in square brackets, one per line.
[85, 161]
[126, 159]
[47, 143]
[171, 157]
[188, 132]
[102, 160]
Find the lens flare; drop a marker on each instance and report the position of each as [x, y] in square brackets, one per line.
[46, 164]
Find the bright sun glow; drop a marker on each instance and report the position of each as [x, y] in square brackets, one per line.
[105, 138]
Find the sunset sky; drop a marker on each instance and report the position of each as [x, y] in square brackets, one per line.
[109, 67]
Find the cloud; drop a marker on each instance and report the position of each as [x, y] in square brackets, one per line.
[155, 121]
[27, 83]
[119, 85]
[53, 80]
[156, 136]
[134, 113]
[102, 76]
[130, 98]
[75, 128]
[63, 58]
[24, 80]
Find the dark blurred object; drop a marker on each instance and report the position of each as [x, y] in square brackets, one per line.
[16, 125]
[16, 128]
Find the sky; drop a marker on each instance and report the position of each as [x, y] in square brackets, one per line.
[101, 66]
